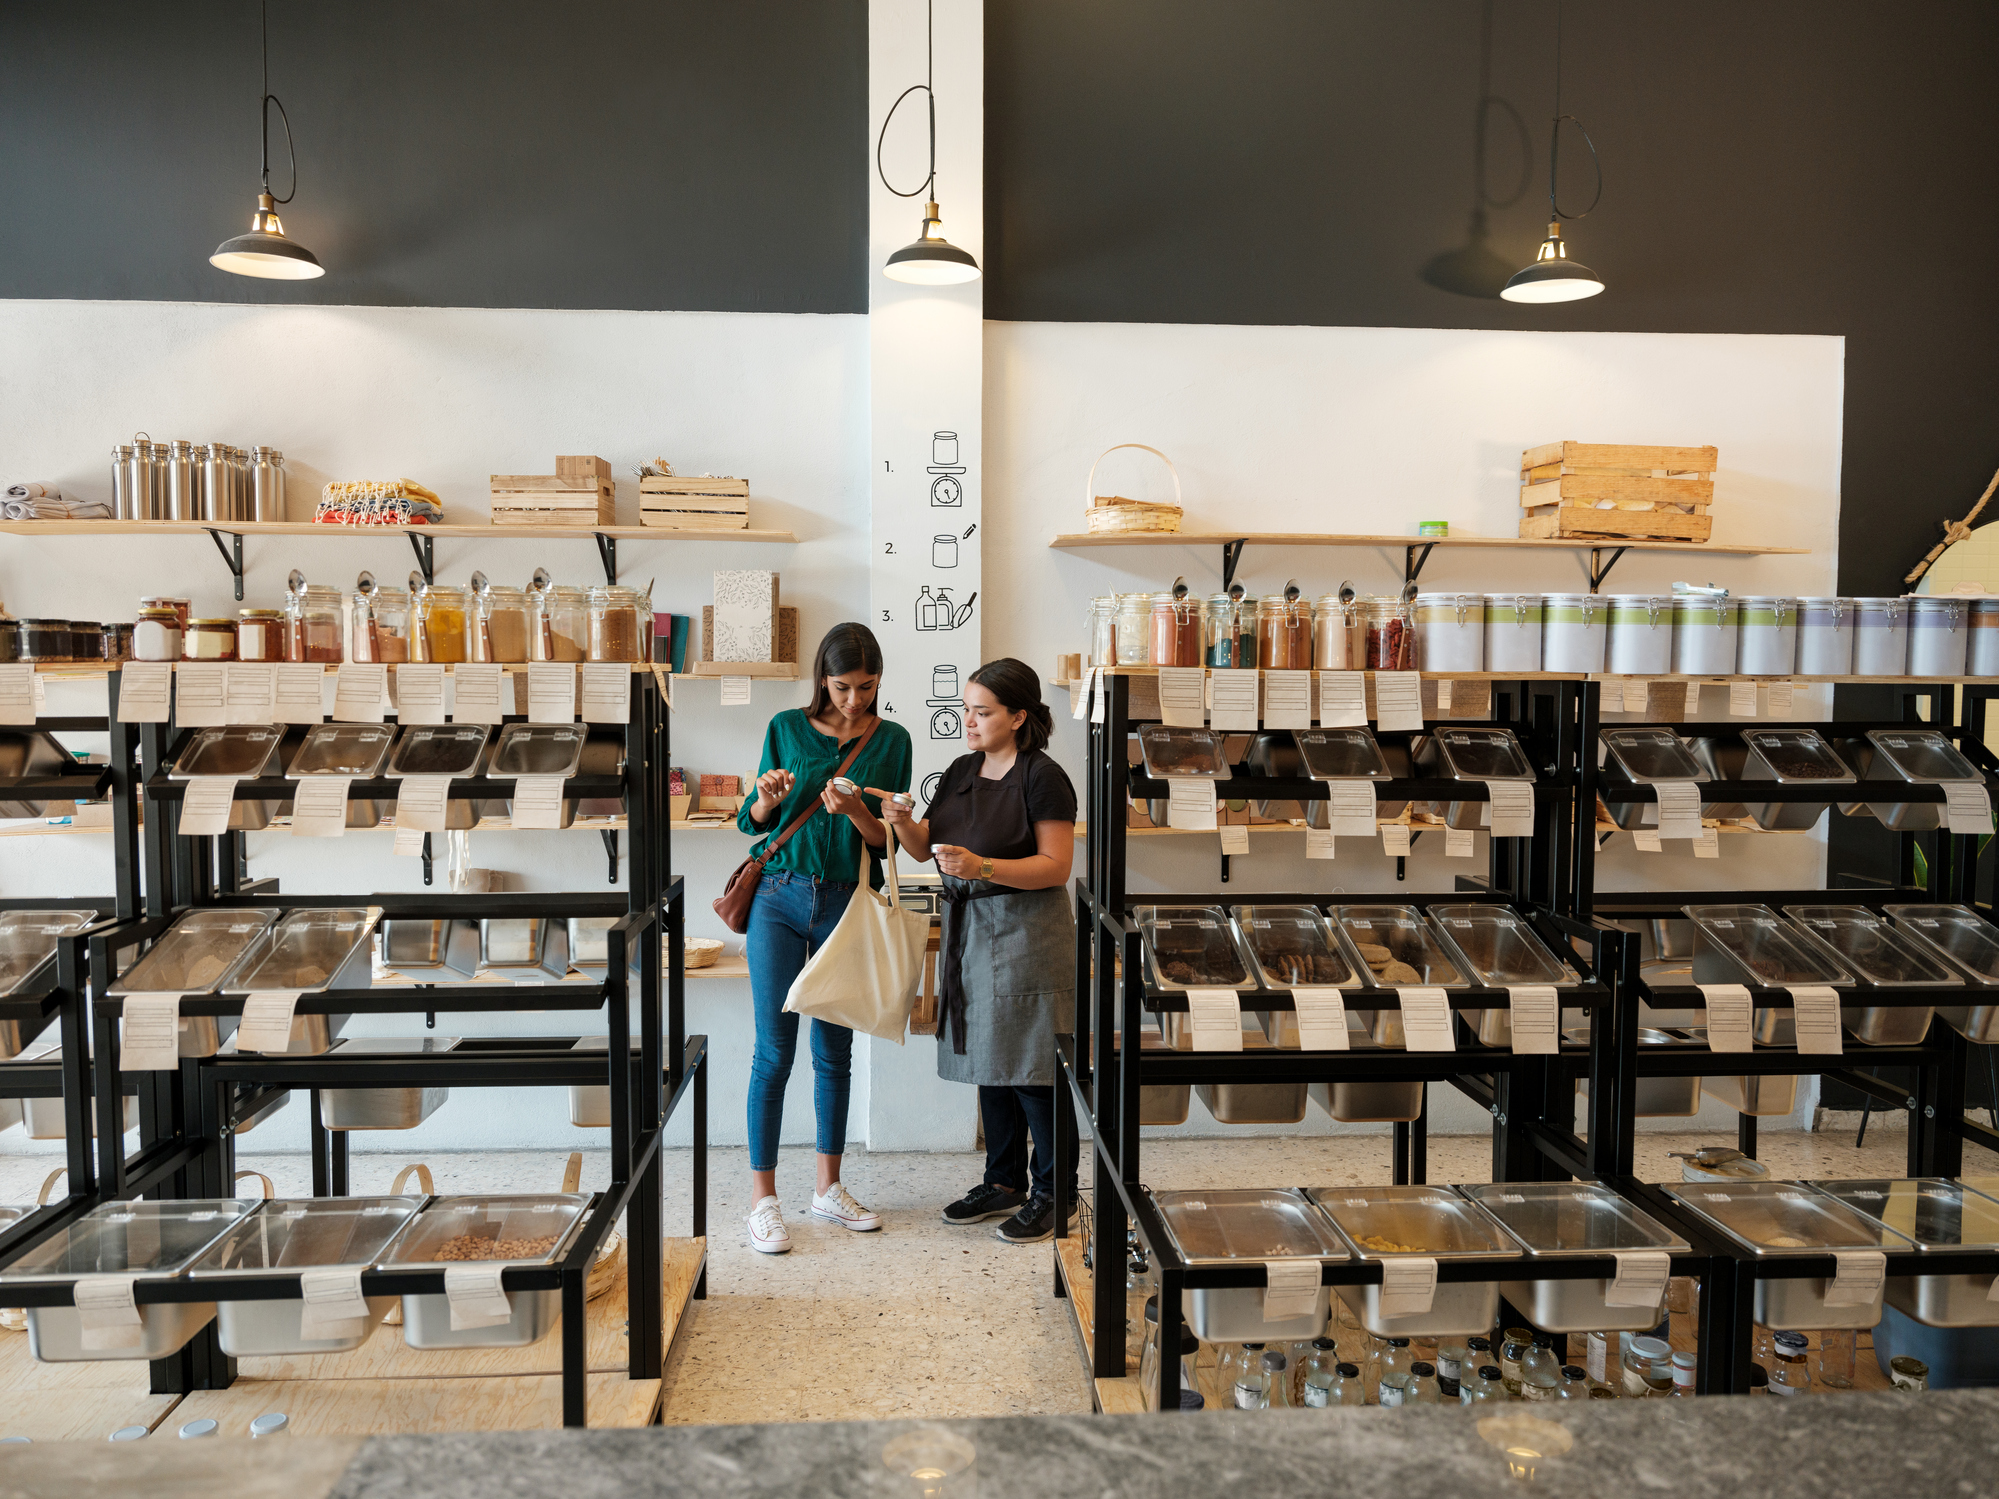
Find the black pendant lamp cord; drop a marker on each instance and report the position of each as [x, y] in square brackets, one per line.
[265, 123]
[925, 87]
[1555, 137]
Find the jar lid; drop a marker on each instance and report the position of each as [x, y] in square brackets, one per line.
[1829, 598]
[1655, 1350]
[505, 592]
[1488, 1372]
[162, 612]
[163, 599]
[613, 593]
[1572, 1371]
[382, 594]
[1324, 1345]
[1423, 1369]
[1685, 1360]
[211, 624]
[1349, 1371]
[260, 614]
[1903, 1364]
[1763, 600]
[1790, 1342]
[46, 624]
[1475, 1343]
[450, 590]
[1232, 597]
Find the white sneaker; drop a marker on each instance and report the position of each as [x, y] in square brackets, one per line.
[767, 1235]
[838, 1205]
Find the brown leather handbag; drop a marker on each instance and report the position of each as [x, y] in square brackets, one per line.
[733, 904]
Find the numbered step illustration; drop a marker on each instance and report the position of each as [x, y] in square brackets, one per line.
[939, 611]
[946, 704]
[947, 483]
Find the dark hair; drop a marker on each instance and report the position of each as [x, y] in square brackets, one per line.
[848, 647]
[1019, 691]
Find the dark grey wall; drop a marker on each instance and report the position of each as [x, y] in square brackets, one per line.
[457, 153]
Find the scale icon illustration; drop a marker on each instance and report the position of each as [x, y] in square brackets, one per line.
[947, 486]
[946, 704]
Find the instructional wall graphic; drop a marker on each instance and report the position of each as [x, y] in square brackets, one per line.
[947, 488]
[945, 704]
[937, 611]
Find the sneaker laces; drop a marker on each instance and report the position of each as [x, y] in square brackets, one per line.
[767, 1219]
[841, 1198]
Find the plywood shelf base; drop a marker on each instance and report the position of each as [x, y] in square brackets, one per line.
[1115, 1397]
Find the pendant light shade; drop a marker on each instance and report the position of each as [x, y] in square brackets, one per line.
[931, 260]
[1553, 277]
[265, 251]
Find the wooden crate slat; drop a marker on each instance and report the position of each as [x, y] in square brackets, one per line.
[704, 485]
[549, 484]
[1559, 522]
[1634, 457]
[1588, 489]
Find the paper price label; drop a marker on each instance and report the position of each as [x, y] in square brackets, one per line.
[476, 1299]
[1640, 1279]
[1320, 843]
[1322, 1019]
[1408, 1285]
[1395, 839]
[359, 690]
[551, 692]
[21, 693]
[1646, 841]
[1342, 700]
[333, 1303]
[252, 692]
[420, 694]
[1351, 808]
[301, 693]
[1860, 1276]
[267, 1021]
[1287, 699]
[1190, 803]
[201, 694]
[1512, 807]
[1815, 1014]
[409, 842]
[1968, 806]
[205, 804]
[1426, 1019]
[1183, 695]
[1728, 1015]
[319, 807]
[144, 688]
[1635, 689]
[1079, 706]
[1742, 699]
[1398, 699]
[1291, 1289]
[109, 1312]
[1781, 694]
[1707, 844]
[1215, 1017]
[1459, 843]
[538, 801]
[1235, 839]
[735, 692]
[1535, 1013]
[421, 804]
[1443, 698]
[1235, 698]
[607, 692]
[1679, 809]
[151, 1042]
[475, 693]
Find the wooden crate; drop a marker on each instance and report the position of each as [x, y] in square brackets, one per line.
[1616, 491]
[695, 504]
[552, 500]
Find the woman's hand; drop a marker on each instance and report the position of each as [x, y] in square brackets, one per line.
[959, 862]
[842, 803]
[897, 815]
[773, 786]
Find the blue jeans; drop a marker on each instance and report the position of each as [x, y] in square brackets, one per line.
[1010, 1117]
[792, 916]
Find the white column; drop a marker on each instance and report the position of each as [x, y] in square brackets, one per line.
[926, 369]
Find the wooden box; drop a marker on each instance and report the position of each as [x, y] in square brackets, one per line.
[1616, 491]
[695, 504]
[580, 492]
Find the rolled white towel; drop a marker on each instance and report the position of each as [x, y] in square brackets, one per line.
[33, 489]
[54, 509]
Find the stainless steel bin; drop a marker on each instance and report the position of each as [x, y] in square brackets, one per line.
[1554, 1221]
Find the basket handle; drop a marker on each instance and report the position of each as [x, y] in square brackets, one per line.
[48, 1185]
[422, 1174]
[1090, 484]
[572, 1171]
[270, 1188]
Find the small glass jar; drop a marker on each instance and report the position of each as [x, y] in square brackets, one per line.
[1229, 628]
[1134, 629]
[1284, 632]
[381, 626]
[1574, 1385]
[260, 635]
[1339, 634]
[1318, 1370]
[1391, 636]
[1420, 1384]
[1514, 1347]
[157, 635]
[620, 624]
[500, 624]
[1790, 1373]
[558, 624]
[86, 640]
[1685, 1372]
[182, 608]
[441, 613]
[1648, 1368]
[312, 624]
[42, 640]
[1540, 1370]
[118, 640]
[209, 640]
[1486, 1386]
[1103, 631]
[1250, 1389]
[1603, 1362]
[1450, 1366]
[1909, 1375]
[1175, 635]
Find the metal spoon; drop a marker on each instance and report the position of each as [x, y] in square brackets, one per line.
[365, 584]
[480, 589]
[296, 582]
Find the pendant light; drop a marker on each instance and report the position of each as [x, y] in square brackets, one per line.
[265, 251]
[930, 259]
[1553, 277]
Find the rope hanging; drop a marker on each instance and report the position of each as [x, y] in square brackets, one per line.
[1954, 532]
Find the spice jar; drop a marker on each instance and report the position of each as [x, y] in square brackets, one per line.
[558, 624]
[1134, 629]
[210, 640]
[1391, 642]
[1284, 631]
[182, 608]
[86, 640]
[312, 623]
[500, 624]
[260, 635]
[1340, 633]
[1176, 628]
[619, 620]
[117, 640]
[1229, 625]
[1103, 630]
[42, 640]
[441, 613]
[381, 625]
[156, 637]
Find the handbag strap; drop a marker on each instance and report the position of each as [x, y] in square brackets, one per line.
[804, 817]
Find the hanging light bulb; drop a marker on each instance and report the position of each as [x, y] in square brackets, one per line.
[1553, 277]
[929, 259]
[265, 251]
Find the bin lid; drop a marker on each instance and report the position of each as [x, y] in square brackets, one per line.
[1399, 947]
[1215, 1228]
[1960, 933]
[1783, 1218]
[1484, 755]
[1499, 947]
[1170, 750]
[514, 1230]
[308, 1233]
[194, 954]
[1648, 755]
[305, 950]
[130, 1238]
[1192, 946]
[1383, 1222]
[1573, 1218]
[451, 749]
[28, 940]
[1292, 945]
[242, 750]
[343, 749]
[1875, 951]
[1767, 948]
[1794, 757]
[1930, 1211]
[1922, 755]
[1341, 754]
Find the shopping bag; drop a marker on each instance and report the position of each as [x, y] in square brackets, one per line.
[866, 975]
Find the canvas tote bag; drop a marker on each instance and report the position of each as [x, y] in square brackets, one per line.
[867, 974]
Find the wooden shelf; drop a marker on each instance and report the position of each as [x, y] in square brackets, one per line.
[1321, 539]
[351, 533]
[1114, 1397]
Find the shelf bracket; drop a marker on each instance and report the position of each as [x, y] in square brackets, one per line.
[1599, 569]
[422, 546]
[1231, 558]
[426, 859]
[1412, 565]
[610, 836]
[1225, 869]
[607, 548]
[232, 557]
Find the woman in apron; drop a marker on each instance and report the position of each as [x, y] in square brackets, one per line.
[1002, 827]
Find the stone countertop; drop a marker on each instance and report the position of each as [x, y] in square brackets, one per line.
[1829, 1447]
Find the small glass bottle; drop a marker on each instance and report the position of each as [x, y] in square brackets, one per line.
[1540, 1370]
[1450, 1366]
[1478, 1353]
[1575, 1384]
[1488, 1386]
[1791, 1374]
[558, 624]
[1277, 1377]
[1910, 1375]
[1648, 1368]
[619, 621]
[157, 635]
[1685, 1367]
[1319, 1372]
[1836, 1359]
[312, 623]
[1352, 1388]
[1603, 1361]
[1421, 1384]
[260, 635]
[1250, 1383]
[210, 640]
[1513, 1347]
[1396, 1359]
[441, 613]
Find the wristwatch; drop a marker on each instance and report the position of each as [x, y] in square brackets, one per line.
[985, 869]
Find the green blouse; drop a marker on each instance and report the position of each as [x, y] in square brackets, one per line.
[827, 846]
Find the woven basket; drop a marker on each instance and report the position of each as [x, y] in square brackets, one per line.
[1112, 513]
[701, 952]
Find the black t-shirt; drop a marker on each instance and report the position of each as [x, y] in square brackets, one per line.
[996, 819]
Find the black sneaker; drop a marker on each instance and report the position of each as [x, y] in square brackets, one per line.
[1033, 1224]
[981, 1203]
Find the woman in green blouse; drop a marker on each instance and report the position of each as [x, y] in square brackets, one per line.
[805, 888]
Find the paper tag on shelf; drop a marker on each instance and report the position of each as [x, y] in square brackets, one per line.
[1343, 699]
[1190, 803]
[333, 1303]
[1459, 843]
[421, 803]
[205, 805]
[1969, 807]
[267, 1020]
[358, 691]
[1322, 1019]
[251, 689]
[1707, 844]
[1640, 1279]
[1635, 689]
[1693, 707]
[301, 693]
[20, 692]
[607, 692]
[1395, 839]
[1859, 1278]
[1079, 708]
[552, 692]
[1287, 700]
[420, 694]
[201, 694]
[1235, 838]
[1351, 808]
[1214, 1019]
[1426, 1019]
[1320, 843]
[1780, 698]
[1595, 1359]
[1815, 1015]
[109, 1312]
[476, 1299]
[1512, 804]
[1646, 840]
[1183, 695]
[476, 692]
[1236, 698]
[409, 843]
[1536, 1015]
[1443, 697]
[735, 692]
[1408, 1285]
[1679, 808]
[1742, 698]
[538, 801]
[144, 688]
[319, 806]
[1290, 1289]
[1728, 1016]
[1398, 700]
[151, 1042]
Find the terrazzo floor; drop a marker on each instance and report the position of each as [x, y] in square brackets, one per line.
[921, 1320]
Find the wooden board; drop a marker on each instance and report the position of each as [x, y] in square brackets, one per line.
[1640, 458]
[390, 1407]
[1618, 489]
[81, 1415]
[1115, 1397]
[782, 671]
[21, 1374]
[1322, 539]
[1615, 526]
